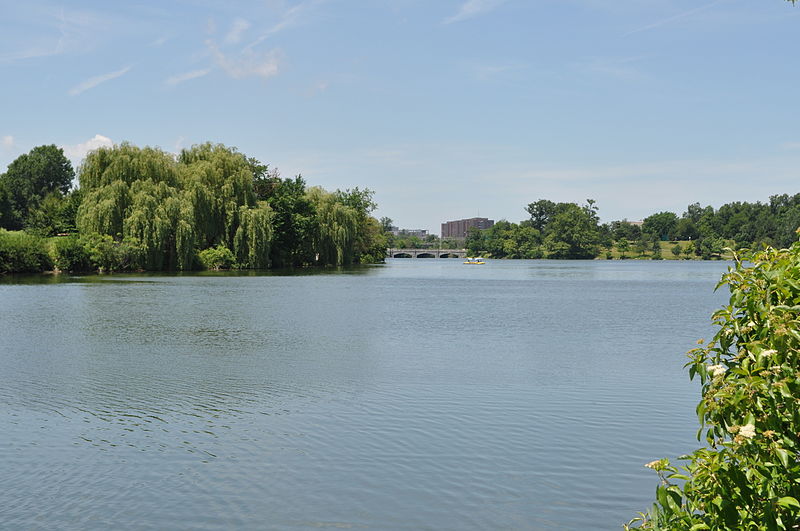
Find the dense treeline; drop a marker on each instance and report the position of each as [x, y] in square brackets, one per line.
[554, 230]
[145, 209]
[567, 230]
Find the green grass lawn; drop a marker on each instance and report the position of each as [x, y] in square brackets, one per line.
[666, 252]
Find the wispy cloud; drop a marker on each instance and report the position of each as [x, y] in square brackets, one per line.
[7, 142]
[186, 76]
[46, 30]
[245, 63]
[673, 18]
[97, 80]
[237, 30]
[488, 71]
[76, 153]
[318, 88]
[473, 8]
[29, 53]
[290, 17]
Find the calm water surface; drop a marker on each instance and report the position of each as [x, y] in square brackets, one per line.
[422, 394]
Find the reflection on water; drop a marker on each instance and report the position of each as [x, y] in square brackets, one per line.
[419, 394]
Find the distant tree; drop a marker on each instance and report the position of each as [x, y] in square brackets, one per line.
[688, 251]
[641, 245]
[30, 178]
[676, 250]
[541, 212]
[685, 229]
[386, 224]
[475, 241]
[624, 229]
[573, 232]
[264, 180]
[623, 246]
[656, 249]
[662, 225]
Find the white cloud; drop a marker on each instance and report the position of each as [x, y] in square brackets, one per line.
[790, 145]
[246, 63]
[179, 144]
[186, 76]
[289, 18]
[50, 31]
[96, 80]
[472, 8]
[7, 142]
[238, 28]
[667, 20]
[318, 88]
[78, 152]
[487, 71]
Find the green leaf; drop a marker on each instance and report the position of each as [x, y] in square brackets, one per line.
[783, 455]
[788, 501]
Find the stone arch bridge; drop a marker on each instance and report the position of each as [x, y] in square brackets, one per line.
[426, 253]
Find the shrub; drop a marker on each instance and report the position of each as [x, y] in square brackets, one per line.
[107, 254]
[70, 254]
[219, 257]
[21, 252]
[748, 477]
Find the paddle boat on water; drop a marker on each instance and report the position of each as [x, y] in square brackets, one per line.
[474, 261]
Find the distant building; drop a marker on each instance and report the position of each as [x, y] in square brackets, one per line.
[460, 228]
[419, 233]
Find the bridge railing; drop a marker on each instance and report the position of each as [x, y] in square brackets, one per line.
[426, 253]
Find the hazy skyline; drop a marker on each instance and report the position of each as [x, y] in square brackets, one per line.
[445, 109]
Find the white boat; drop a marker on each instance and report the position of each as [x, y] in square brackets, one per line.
[474, 261]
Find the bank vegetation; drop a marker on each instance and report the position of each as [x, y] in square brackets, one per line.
[145, 209]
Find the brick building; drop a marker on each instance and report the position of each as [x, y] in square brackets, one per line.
[459, 228]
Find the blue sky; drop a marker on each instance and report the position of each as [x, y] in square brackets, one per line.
[445, 108]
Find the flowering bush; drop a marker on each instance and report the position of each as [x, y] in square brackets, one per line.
[748, 477]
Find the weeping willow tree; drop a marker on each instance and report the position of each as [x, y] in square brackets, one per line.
[174, 207]
[166, 210]
[337, 228]
[345, 233]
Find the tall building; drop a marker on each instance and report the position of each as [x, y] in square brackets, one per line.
[459, 228]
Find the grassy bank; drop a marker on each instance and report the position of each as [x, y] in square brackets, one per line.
[667, 252]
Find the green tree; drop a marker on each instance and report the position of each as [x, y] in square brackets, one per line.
[623, 246]
[386, 224]
[656, 248]
[689, 250]
[171, 209]
[641, 245]
[29, 179]
[541, 212]
[676, 250]
[662, 225]
[573, 232]
[294, 224]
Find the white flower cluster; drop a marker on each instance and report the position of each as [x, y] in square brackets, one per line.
[716, 370]
[748, 431]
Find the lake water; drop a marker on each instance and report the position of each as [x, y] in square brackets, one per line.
[420, 394]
